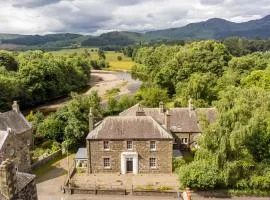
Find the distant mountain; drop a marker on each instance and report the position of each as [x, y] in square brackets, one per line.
[9, 36]
[211, 29]
[216, 29]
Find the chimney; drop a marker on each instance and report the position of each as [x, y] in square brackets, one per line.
[15, 107]
[161, 107]
[8, 180]
[168, 120]
[91, 120]
[140, 111]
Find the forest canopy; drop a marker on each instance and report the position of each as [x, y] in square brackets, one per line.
[233, 152]
[34, 77]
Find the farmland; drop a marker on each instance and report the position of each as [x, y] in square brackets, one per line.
[111, 57]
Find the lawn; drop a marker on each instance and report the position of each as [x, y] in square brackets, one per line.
[111, 56]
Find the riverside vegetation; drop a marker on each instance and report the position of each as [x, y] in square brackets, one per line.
[235, 151]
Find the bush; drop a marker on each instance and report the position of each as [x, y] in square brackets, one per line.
[177, 163]
[119, 58]
[199, 175]
[260, 182]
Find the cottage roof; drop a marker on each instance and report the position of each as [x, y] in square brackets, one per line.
[23, 179]
[81, 154]
[129, 127]
[15, 121]
[182, 119]
[3, 136]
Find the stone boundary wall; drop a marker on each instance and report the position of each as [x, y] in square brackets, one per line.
[175, 194]
[119, 191]
[46, 159]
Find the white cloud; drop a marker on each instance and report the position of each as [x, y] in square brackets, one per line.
[95, 17]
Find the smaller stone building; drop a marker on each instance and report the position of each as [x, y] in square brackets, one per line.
[129, 144]
[182, 123]
[16, 185]
[15, 138]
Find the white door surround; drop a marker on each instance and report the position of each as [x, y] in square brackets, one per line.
[128, 156]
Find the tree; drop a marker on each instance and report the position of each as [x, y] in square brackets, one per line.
[101, 54]
[70, 123]
[8, 61]
[152, 96]
[119, 58]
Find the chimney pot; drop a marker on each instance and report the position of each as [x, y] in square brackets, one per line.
[168, 119]
[16, 107]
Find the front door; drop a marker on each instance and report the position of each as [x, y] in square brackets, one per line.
[129, 165]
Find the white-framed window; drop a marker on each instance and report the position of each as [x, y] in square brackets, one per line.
[184, 140]
[106, 163]
[106, 145]
[129, 145]
[153, 145]
[152, 162]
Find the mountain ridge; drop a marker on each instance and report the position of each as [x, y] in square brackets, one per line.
[214, 28]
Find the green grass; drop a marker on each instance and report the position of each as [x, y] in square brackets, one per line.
[112, 92]
[111, 57]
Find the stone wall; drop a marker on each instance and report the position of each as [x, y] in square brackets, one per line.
[46, 159]
[163, 154]
[29, 192]
[17, 149]
[15, 185]
[8, 182]
[193, 137]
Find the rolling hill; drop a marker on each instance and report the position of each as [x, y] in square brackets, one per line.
[215, 28]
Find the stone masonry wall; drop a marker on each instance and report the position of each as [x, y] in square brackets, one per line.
[8, 182]
[163, 154]
[193, 137]
[18, 144]
[29, 192]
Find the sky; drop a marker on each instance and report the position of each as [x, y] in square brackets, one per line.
[99, 16]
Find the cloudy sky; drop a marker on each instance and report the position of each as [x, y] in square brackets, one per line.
[98, 16]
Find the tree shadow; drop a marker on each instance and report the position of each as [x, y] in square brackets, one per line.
[53, 173]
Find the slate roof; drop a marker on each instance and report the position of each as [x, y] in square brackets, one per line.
[15, 121]
[129, 127]
[23, 179]
[81, 154]
[182, 119]
[3, 136]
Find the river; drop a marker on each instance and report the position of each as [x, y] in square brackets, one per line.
[101, 81]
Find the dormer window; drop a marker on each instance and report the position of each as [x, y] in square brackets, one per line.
[129, 145]
[106, 145]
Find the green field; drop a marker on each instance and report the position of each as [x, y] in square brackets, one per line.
[111, 56]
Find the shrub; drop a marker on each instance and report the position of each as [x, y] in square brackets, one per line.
[199, 175]
[119, 58]
[177, 163]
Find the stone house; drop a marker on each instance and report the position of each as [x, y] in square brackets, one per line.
[181, 123]
[15, 138]
[143, 140]
[16, 185]
[129, 144]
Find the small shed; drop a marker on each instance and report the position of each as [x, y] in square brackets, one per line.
[81, 158]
